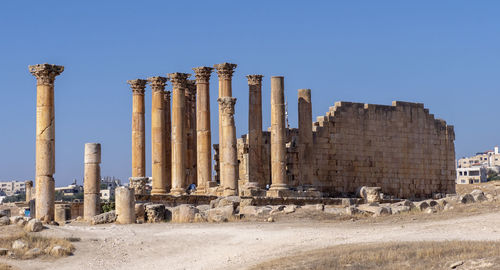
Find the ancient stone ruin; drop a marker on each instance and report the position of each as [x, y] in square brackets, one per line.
[401, 151]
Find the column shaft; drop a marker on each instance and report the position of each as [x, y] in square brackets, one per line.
[255, 170]
[92, 181]
[28, 187]
[229, 161]
[191, 132]
[278, 134]
[168, 139]
[305, 138]
[203, 133]
[45, 139]
[138, 128]
[158, 149]
[125, 205]
[178, 133]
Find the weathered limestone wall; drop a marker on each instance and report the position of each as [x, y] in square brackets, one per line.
[401, 148]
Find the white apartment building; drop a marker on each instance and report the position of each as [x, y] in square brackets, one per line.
[12, 187]
[472, 175]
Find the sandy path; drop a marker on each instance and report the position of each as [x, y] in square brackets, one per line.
[239, 245]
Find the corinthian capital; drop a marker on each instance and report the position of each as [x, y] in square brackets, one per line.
[227, 105]
[157, 83]
[191, 87]
[202, 74]
[138, 86]
[225, 70]
[45, 73]
[254, 79]
[178, 80]
[166, 96]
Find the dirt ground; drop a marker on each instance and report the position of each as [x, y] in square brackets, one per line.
[241, 245]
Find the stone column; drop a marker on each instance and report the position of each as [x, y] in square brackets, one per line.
[278, 136]
[28, 187]
[125, 205]
[179, 84]
[255, 170]
[158, 150]
[305, 138]
[190, 127]
[229, 161]
[92, 181]
[62, 213]
[138, 131]
[45, 139]
[168, 139]
[225, 72]
[204, 137]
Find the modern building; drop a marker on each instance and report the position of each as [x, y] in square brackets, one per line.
[110, 182]
[489, 159]
[70, 190]
[472, 175]
[107, 194]
[12, 187]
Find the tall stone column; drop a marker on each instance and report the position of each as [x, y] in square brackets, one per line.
[305, 138]
[45, 139]
[278, 135]
[168, 139]
[138, 130]
[28, 188]
[158, 150]
[179, 85]
[229, 161]
[92, 181]
[225, 72]
[255, 170]
[204, 137]
[191, 132]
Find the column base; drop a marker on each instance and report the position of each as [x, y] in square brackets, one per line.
[159, 192]
[177, 191]
[278, 190]
[229, 192]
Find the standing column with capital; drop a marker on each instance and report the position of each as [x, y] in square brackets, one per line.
[45, 139]
[138, 129]
[305, 138]
[158, 150]
[203, 133]
[225, 72]
[278, 136]
[255, 171]
[179, 84]
[168, 138]
[190, 127]
[229, 160]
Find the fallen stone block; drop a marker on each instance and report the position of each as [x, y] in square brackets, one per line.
[19, 244]
[59, 251]
[370, 194]
[313, 207]
[220, 214]
[184, 213]
[33, 225]
[4, 221]
[400, 209]
[3, 251]
[5, 213]
[155, 213]
[331, 209]
[289, 209]
[108, 217]
[421, 206]
[382, 211]
[478, 195]
[466, 199]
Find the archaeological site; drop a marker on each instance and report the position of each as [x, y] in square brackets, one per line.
[354, 153]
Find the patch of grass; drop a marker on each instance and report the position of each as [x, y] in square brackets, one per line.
[44, 244]
[392, 256]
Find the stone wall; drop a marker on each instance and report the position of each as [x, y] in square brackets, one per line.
[401, 148]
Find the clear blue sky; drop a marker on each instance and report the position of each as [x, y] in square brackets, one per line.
[442, 53]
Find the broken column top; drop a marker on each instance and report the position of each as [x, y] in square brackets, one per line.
[45, 73]
[92, 153]
[254, 79]
[157, 83]
[138, 85]
[225, 70]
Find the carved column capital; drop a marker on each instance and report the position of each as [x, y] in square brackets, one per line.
[166, 96]
[191, 87]
[227, 105]
[45, 73]
[138, 86]
[178, 80]
[225, 70]
[202, 74]
[254, 79]
[157, 83]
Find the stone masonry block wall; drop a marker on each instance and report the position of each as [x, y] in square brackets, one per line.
[401, 148]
